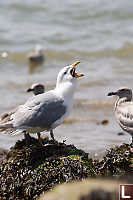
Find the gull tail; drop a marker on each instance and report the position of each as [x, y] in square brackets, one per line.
[6, 126]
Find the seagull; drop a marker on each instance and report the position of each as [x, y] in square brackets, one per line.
[36, 88]
[124, 109]
[44, 112]
[36, 55]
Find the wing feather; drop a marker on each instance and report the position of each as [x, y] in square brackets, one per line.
[40, 111]
[124, 114]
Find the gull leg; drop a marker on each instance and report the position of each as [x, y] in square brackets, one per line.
[39, 138]
[52, 135]
[26, 137]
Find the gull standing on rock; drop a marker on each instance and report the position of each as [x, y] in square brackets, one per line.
[36, 88]
[46, 111]
[124, 109]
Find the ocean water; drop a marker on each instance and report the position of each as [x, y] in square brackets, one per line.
[99, 33]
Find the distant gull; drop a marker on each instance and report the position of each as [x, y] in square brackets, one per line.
[36, 55]
[124, 109]
[4, 54]
[44, 112]
[36, 88]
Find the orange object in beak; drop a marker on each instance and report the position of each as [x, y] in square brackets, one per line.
[77, 75]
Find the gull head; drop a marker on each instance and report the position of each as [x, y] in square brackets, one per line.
[38, 49]
[67, 80]
[36, 88]
[68, 74]
[122, 92]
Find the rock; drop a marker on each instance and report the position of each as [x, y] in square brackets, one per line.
[27, 171]
[117, 161]
[30, 169]
[103, 122]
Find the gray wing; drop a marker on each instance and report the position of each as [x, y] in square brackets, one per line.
[39, 111]
[124, 114]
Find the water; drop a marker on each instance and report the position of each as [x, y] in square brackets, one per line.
[99, 33]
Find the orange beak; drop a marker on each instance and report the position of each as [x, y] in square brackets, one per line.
[76, 75]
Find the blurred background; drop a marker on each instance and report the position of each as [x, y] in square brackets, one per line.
[99, 33]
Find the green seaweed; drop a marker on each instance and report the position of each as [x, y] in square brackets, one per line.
[118, 161]
[29, 169]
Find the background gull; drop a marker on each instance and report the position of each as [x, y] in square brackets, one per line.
[44, 112]
[36, 88]
[36, 55]
[124, 109]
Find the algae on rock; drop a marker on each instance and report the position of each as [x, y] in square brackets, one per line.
[27, 171]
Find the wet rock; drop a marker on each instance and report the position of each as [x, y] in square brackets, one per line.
[103, 122]
[27, 171]
[30, 169]
[118, 161]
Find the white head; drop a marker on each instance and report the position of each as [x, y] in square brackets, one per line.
[37, 88]
[67, 79]
[38, 49]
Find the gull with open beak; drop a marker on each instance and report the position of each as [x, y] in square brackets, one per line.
[44, 112]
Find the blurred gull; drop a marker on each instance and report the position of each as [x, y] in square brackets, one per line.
[36, 88]
[4, 54]
[36, 55]
[124, 109]
[45, 112]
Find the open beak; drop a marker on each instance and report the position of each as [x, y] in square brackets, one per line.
[29, 90]
[73, 73]
[112, 93]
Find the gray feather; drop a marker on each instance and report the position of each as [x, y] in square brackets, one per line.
[124, 114]
[39, 111]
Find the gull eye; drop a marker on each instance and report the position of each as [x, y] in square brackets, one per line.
[65, 72]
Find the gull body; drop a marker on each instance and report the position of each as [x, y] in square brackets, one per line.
[124, 109]
[44, 112]
[36, 55]
[36, 89]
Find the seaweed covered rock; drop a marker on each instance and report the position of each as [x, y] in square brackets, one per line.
[28, 170]
[118, 161]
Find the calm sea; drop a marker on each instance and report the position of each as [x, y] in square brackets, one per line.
[99, 33]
